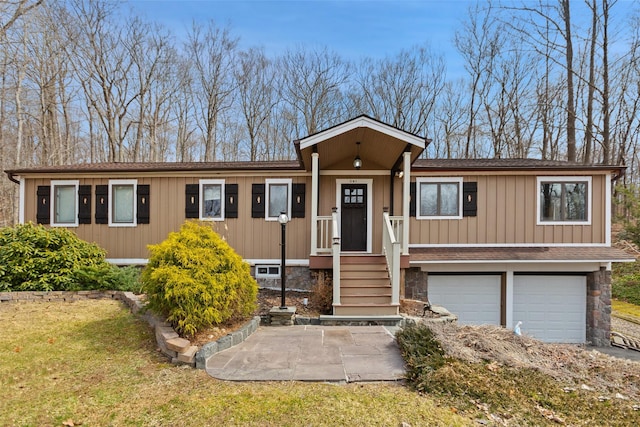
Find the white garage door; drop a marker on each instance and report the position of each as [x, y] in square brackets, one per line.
[474, 299]
[551, 308]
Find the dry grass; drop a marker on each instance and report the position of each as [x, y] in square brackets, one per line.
[626, 308]
[92, 363]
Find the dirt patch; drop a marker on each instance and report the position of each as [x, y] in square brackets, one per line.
[571, 363]
[268, 298]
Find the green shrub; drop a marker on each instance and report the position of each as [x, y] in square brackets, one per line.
[196, 280]
[422, 353]
[37, 258]
[625, 282]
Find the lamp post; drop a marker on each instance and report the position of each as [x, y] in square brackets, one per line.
[283, 219]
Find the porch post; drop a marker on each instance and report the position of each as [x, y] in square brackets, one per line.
[406, 184]
[314, 203]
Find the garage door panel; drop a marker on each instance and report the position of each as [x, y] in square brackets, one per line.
[551, 308]
[474, 299]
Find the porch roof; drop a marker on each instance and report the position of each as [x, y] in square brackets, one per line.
[381, 145]
[547, 254]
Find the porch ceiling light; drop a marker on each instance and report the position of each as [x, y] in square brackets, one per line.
[357, 162]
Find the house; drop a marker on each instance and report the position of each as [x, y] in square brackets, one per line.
[495, 241]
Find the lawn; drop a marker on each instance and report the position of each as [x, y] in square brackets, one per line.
[92, 363]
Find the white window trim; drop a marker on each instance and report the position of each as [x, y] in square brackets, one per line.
[562, 179]
[267, 275]
[204, 182]
[54, 184]
[268, 183]
[133, 182]
[433, 180]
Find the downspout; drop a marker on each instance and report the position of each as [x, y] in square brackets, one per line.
[11, 178]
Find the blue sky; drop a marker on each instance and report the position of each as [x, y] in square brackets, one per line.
[352, 28]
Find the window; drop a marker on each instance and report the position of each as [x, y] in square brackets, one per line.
[267, 271]
[439, 198]
[122, 206]
[564, 200]
[212, 197]
[64, 209]
[278, 198]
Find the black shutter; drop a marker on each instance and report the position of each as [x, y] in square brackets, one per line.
[412, 199]
[43, 213]
[257, 201]
[192, 206]
[469, 196]
[142, 214]
[297, 205]
[84, 204]
[102, 204]
[231, 201]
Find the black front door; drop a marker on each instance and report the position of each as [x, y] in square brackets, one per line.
[354, 217]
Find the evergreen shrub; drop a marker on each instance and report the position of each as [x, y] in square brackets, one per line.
[38, 258]
[197, 280]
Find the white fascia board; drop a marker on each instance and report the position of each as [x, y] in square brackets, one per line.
[361, 122]
[276, 261]
[560, 267]
[509, 245]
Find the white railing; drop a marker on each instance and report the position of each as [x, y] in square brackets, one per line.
[324, 235]
[335, 243]
[391, 247]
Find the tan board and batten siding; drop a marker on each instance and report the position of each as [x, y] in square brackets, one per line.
[252, 238]
[507, 214]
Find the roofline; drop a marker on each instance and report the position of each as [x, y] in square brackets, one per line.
[362, 121]
[293, 165]
[568, 166]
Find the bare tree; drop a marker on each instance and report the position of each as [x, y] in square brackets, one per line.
[212, 52]
[479, 43]
[312, 85]
[12, 10]
[257, 98]
[402, 90]
[104, 67]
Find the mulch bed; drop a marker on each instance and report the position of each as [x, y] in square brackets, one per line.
[269, 298]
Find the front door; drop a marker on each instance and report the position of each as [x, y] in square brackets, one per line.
[353, 207]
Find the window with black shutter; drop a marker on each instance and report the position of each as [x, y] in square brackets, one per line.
[192, 205]
[43, 213]
[142, 211]
[102, 204]
[297, 204]
[257, 201]
[84, 204]
[469, 202]
[231, 200]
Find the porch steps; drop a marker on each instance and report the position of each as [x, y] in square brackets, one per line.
[365, 287]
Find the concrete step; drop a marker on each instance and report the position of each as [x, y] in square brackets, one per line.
[365, 310]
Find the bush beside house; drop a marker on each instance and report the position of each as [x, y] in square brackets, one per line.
[38, 258]
[197, 280]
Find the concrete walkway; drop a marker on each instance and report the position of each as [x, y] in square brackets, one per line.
[311, 353]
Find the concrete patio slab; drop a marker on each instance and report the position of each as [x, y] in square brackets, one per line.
[311, 353]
